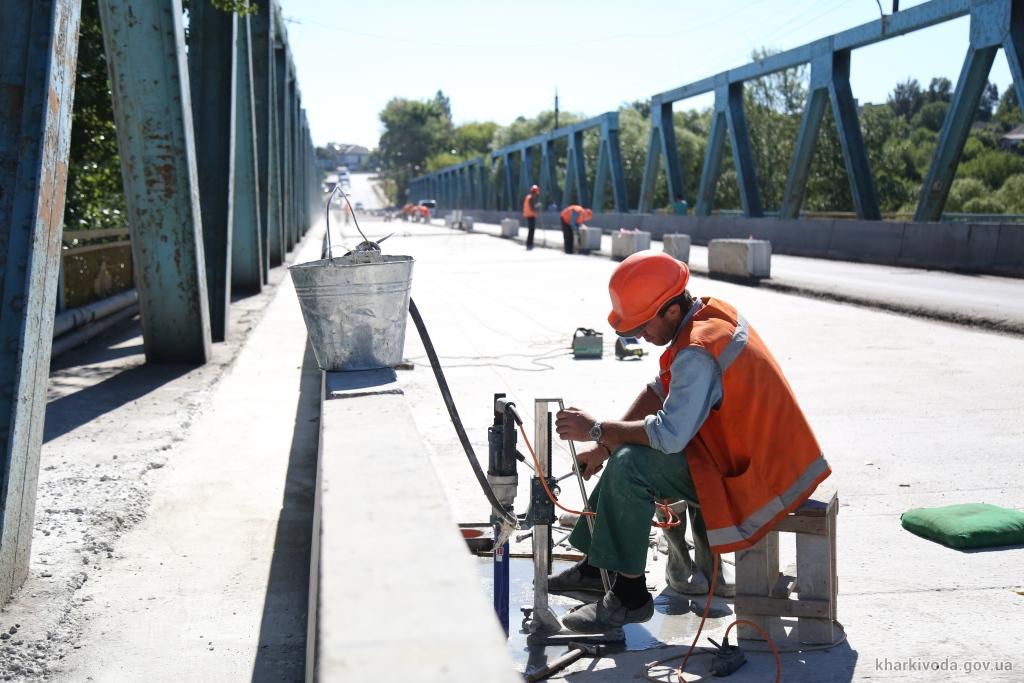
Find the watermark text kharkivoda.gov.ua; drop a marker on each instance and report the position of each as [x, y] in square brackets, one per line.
[948, 664]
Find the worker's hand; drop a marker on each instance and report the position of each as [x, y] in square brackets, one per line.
[573, 424]
[591, 460]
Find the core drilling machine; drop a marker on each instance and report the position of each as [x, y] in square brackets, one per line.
[540, 621]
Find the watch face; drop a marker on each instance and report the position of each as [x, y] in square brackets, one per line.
[595, 431]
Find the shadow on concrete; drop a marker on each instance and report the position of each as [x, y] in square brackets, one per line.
[281, 653]
[113, 386]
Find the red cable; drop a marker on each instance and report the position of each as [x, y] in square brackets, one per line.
[671, 519]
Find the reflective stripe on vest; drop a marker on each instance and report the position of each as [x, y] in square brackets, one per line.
[755, 458]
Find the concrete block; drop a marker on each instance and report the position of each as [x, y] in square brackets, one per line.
[467, 223]
[677, 246]
[590, 239]
[739, 258]
[509, 227]
[626, 242]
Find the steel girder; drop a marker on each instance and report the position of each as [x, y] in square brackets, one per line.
[507, 192]
[264, 96]
[38, 54]
[994, 24]
[661, 145]
[145, 49]
[246, 248]
[830, 81]
[211, 63]
[729, 117]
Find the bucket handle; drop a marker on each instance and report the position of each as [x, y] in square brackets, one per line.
[365, 245]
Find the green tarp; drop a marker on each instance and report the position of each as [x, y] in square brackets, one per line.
[970, 525]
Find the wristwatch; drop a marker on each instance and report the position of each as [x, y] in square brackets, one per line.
[596, 432]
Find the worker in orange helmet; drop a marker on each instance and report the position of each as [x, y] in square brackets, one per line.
[531, 202]
[573, 216]
[424, 213]
[719, 427]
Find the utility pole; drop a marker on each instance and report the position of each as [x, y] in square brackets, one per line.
[556, 108]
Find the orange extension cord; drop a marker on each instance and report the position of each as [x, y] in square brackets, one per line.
[672, 520]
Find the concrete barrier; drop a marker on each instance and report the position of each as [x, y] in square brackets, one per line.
[467, 223]
[377, 615]
[626, 242]
[509, 227]
[589, 239]
[741, 259]
[677, 246]
[954, 247]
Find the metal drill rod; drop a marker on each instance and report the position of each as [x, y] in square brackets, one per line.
[586, 501]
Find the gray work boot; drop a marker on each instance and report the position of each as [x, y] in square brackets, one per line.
[572, 579]
[692, 576]
[607, 614]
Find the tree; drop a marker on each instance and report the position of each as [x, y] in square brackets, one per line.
[939, 90]
[906, 99]
[95, 193]
[413, 132]
[1008, 114]
[931, 115]
[989, 99]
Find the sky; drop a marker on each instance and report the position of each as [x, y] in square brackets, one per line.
[500, 60]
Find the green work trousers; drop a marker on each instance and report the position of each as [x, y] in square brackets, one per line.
[634, 478]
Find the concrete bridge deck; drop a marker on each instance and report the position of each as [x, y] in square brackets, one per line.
[195, 540]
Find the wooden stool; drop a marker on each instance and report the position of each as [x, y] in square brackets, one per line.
[763, 592]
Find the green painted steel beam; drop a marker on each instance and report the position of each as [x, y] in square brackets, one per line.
[266, 145]
[742, 153]
[211, 65]
[280, 189]
[246, 247]
[38, 54]
[990, 29]
[145, 50]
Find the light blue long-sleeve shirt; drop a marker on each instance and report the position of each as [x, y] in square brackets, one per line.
[695, 388]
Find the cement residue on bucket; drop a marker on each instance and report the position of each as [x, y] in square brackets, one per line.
[355, 308]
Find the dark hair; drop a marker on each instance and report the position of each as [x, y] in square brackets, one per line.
[684, 301]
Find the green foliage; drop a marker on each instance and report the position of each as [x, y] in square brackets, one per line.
[414, 131]
[986, 204]
[1008, 113]
[964, 190]
[1011, 194]
[992, 167]
[95, 194]
[906, 99]
[931, 115]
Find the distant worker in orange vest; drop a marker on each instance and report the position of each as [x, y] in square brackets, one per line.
[719, 427]
[424, 212]
[531, 202]
[573, 216]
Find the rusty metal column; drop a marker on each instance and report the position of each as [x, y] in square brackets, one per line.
[266, 147]
[145, 45]
[211, 64]
[38, 54]
[246, 249]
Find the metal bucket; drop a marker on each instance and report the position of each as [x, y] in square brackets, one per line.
[355, 307]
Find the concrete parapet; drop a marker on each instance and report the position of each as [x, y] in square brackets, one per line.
[398, 590]
[509, 227]
[589, 239]
[677, 246]
[626, 242]
[743, 259]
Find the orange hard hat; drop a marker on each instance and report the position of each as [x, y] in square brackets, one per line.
[534, 189]
[641, 285]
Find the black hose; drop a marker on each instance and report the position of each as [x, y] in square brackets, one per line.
[446, 394]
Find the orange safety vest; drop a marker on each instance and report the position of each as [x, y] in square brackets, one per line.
[567, 214]
[528, 210]
[755, 458]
